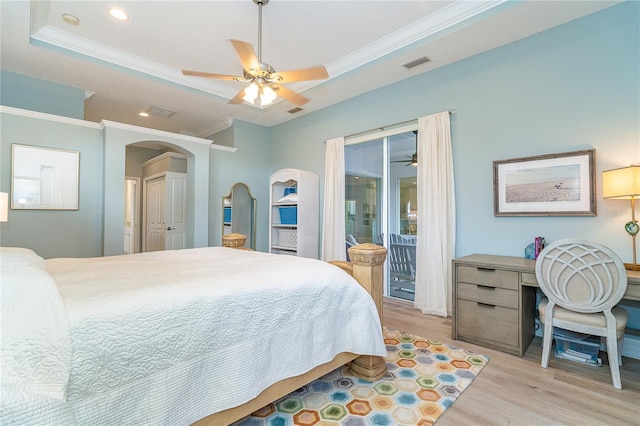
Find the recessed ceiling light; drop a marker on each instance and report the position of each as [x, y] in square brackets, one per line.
[143, 114]
[119, 14]
[70, 19]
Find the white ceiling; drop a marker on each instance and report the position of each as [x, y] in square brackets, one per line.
[126, 67]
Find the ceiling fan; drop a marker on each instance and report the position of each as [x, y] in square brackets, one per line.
[265, 83]
[414, 158]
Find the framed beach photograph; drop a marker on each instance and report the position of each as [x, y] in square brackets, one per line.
[44, 178]
[545, 185]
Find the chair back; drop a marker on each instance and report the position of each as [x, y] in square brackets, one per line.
[581, 275]
[402, 261]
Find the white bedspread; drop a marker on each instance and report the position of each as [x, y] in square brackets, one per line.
[170, 337]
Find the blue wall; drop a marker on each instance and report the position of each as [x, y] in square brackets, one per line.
[24, 92]
[55, 233]
[249, 165]
[573, 87]
[570, 88]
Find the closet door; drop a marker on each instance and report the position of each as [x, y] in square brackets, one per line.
[154, 197]
[175, 205]
[165, 212]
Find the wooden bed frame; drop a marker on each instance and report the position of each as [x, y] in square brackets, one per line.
[366, 267]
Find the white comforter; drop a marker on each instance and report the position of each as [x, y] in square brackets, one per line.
[170, 337]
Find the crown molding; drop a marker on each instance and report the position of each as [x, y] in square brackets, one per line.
[444, 18]
[434, 23]
[49, 35]
[49, 117]
[215, 128]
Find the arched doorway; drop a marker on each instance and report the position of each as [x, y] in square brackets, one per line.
[117, 137]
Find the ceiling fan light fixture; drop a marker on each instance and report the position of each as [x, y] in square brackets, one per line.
[267, 96]
[265, 83]
[251, 93]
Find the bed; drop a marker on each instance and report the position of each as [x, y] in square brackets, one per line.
[203, 335]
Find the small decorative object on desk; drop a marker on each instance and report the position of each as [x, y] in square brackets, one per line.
[533, 250]
[530, 251]
[538, 245]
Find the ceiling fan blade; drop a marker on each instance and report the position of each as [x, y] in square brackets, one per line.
[315, 73]
[237, 99]
[210, 75]
[410, 160]
[291, 96]
[247, 55]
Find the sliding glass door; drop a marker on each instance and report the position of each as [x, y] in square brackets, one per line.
[381, 203]
[364, 182]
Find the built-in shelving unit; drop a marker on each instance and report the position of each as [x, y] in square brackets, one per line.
[294, 216]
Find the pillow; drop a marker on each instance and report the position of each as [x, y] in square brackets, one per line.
[36, 344]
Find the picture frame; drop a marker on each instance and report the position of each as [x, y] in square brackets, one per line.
[44, 178]
[560, 184]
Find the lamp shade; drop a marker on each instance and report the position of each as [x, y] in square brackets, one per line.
[621, 183]
[4, 206]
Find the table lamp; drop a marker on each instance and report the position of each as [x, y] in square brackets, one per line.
[624, 183]
[4, 206]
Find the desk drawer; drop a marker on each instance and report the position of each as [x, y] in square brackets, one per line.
[529, 278]
[488, 294]
[487, 322]
[488, 276]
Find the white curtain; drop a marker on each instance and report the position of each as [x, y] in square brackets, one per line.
[436, 216]
[333, 226]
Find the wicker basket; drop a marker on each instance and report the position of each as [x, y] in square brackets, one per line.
[288, 237]
[286, 252]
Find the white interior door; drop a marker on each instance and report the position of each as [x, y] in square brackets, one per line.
[165, 212]
[175, 211]
[154, 214]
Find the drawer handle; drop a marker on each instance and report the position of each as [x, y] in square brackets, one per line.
[486, 269]
[486, 305]
[485, 287]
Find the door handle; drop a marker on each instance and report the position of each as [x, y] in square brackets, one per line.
[170, 228]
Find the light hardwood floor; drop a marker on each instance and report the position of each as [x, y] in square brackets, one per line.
[517, 391]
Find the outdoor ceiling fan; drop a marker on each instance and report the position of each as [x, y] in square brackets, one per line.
[414, 158]
[265, 83]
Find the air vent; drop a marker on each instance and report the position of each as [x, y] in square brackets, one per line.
[416, 62]
[293, 111]
[161, 112]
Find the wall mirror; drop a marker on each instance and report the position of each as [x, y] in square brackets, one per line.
[239, 213]
[44, 178]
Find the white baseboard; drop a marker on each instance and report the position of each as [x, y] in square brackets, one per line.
[630, 346]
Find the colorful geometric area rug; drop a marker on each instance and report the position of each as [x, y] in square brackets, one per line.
[424, 378]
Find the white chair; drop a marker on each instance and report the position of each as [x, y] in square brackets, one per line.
[583, 281]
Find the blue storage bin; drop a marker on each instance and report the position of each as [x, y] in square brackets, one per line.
[227, 214]
[289, 215]
[289, 190]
